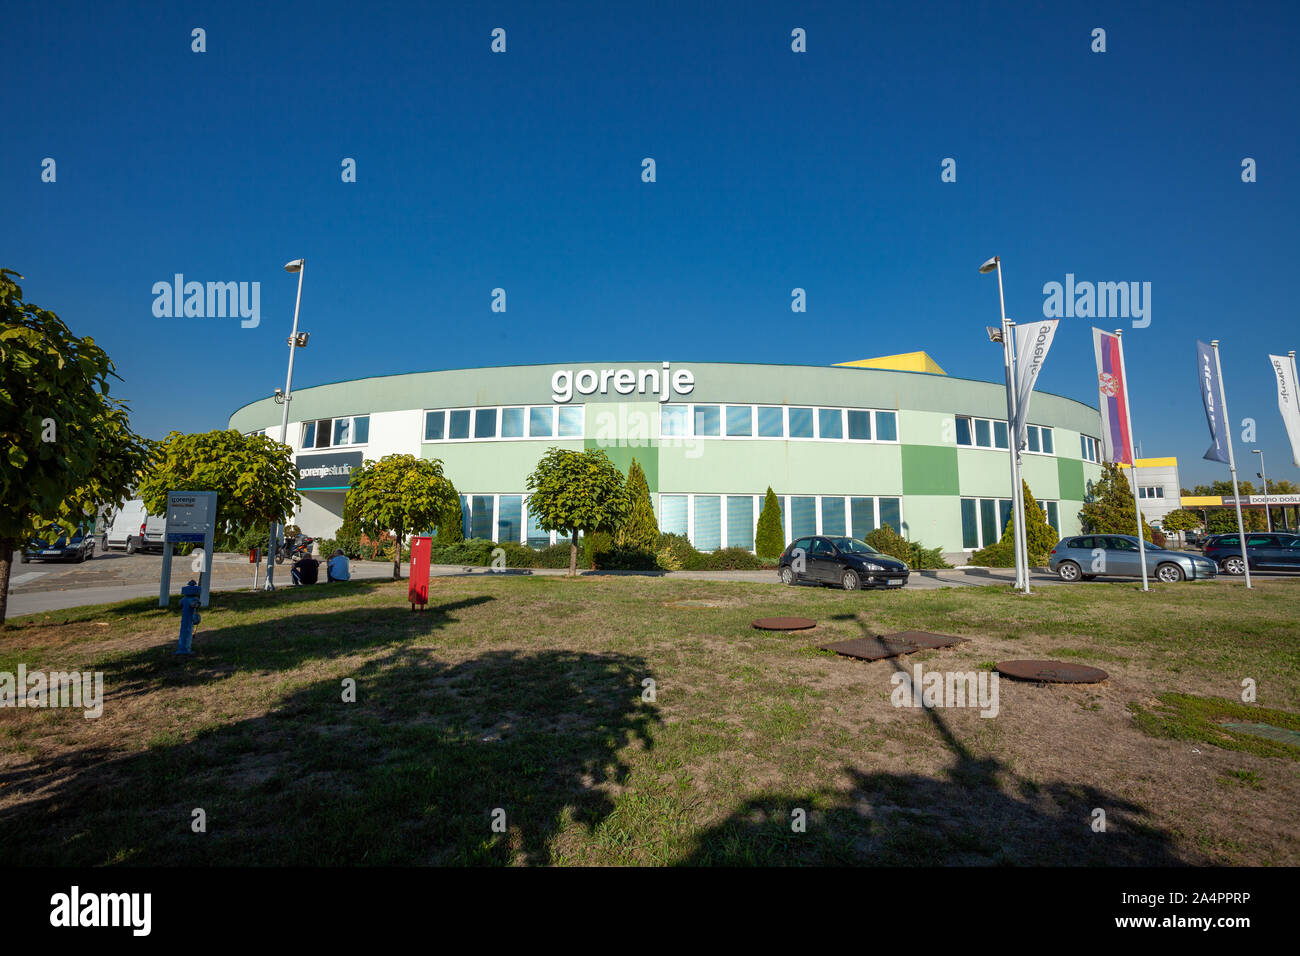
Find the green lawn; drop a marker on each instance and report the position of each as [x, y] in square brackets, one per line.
[524, 694]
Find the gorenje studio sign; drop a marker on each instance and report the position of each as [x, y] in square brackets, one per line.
[327, 471]
[623, 381]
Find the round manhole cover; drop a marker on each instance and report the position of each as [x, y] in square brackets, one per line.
[784, 623]
[1052, 672]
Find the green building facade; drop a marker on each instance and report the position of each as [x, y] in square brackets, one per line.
[846, 448]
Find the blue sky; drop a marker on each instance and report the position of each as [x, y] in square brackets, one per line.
[775, 170]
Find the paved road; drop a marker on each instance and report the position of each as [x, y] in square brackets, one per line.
[114, 576]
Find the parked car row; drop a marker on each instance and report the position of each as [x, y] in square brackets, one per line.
[1088, 556]
[1271, 551]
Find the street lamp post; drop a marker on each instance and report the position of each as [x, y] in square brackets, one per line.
[298, 266]
[1263, 473]
[1006, 336]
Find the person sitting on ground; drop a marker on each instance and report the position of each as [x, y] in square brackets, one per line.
[306, 570]
[337, 569]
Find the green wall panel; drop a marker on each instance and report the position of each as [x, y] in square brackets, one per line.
[1070, 478]
[929, 470]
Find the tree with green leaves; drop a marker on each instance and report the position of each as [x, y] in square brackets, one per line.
[69, 447]
[1109, 505]
[1040, 538]
[401, 494]
[769, 538]
[1180, 519]
[577, 491]
[252, 475]
[451, 523]
[640, 531]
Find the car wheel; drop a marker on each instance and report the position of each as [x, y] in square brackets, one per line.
[1069, 571]
[1170, 573]
[850, 581]
[130, 545]
[1234, 565]
[787, 576]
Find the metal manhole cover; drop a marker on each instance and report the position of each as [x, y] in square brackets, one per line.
[1052, 672]
[872, 648]
[925, 639]
[784, 623]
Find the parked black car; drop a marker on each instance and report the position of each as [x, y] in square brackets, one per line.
[846, 562]
[55, 545]
[1266, 551]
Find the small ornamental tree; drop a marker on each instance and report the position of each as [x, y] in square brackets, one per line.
[68, 447]
[769, 539]
[1040, 538]
[252, 475]
[574, 492]
[401, 494]
[450, 524]
[640, 531]
[1109, 505]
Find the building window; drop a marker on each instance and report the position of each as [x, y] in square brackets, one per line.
[801, 423]
[771, 422]
[571, 421]
[541, 421]
[830, 423]
[706, 421]
[981, 432]
[1088, 447]
[886, 426]
[740, 421]
[708, 523]
[1039, 439]
[485, 423]
[510, 515]
[673, 421]
[333, 432]
[673, 514]
[1054, 516]
[512, 423]
[1150, 491]
[740, 522]
[983, 521]
[833, 517]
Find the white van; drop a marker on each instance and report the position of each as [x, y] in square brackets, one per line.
[134, 529]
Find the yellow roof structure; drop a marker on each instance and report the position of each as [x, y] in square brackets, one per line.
[905, 362]
[1200, 501]
[1153, 463]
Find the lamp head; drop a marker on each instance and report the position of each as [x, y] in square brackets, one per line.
[294, 266]
[995, 335]
[989, 266]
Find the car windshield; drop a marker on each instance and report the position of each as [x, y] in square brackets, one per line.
[854, 546]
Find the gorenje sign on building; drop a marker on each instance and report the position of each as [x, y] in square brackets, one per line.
[331, 471]
[624, 381]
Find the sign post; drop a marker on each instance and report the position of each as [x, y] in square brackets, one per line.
[190, 519]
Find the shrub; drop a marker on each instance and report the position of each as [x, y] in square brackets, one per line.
[888, 541]
[1000, 554]
[591, 546]
[769, 539]
[242, 540]
[450, 527]
[730, 559]
[554, 556]
[627, 559]
[674, 552]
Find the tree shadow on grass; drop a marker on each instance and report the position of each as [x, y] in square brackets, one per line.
[409, 774]
[278, 644]
[976, 812]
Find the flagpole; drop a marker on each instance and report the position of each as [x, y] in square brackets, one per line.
[1133, 464]
[1017, 517]
[1021, 535]
[1232, 461]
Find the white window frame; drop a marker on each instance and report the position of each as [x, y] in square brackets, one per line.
[500, 412]
[785, 423]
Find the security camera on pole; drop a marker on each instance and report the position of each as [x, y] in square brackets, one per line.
[296, 339]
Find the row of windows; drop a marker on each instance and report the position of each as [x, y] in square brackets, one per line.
[514, 422]
[1151, 491]
[710, 521]
[992, 433]
[777, 421]
[332, 432]
[983, 520]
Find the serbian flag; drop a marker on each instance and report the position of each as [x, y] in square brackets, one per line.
[1112, 398]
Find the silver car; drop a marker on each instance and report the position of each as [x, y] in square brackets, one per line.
[1088, 556]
